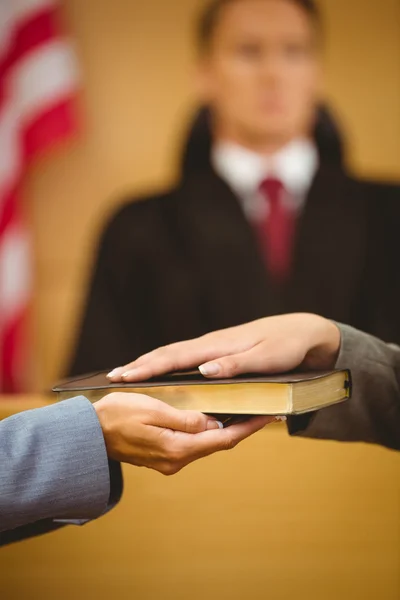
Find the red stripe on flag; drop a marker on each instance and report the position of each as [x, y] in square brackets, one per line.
[36, 31]
[55, 123]
[9, 206]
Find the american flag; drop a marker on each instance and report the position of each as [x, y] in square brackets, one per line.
[38, 81]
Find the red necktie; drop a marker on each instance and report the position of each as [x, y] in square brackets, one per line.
[276, 231]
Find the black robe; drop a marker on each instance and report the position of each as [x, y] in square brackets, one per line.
[185, 262]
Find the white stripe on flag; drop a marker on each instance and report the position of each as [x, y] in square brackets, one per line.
[48, 74]
[44, 76]
[7, 24]
[15, 272]
[24, 10]
[16, 12]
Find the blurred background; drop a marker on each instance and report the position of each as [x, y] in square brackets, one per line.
[137, 68]
[278, 517]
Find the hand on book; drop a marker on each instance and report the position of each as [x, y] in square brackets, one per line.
[145, 432]
[271, 345]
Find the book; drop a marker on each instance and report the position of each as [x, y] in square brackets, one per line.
[249, 395]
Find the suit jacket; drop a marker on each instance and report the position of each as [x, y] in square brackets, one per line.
[54, 470]
[186, 262]
[373, 413]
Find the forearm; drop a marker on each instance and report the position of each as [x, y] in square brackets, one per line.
[373, 413]
[53, 465]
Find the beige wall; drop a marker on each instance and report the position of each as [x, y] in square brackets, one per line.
[136, 60]
[277, 518]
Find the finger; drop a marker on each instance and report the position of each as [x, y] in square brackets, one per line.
[186, 421]
[186, 448]
[210, 442]
[169, 359]
[254, 360]
[181, 356]
[268, 356]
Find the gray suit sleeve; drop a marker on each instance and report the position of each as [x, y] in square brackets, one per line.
[373, 413]
[54, 465]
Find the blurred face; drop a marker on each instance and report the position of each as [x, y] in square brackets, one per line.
[260, 74]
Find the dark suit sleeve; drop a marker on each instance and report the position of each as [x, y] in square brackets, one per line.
[115, 329]
[373, 413]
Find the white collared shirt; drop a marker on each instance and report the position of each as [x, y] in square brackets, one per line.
[244, 171]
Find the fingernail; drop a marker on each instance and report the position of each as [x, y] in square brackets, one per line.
[213, 424]
[210, 369]
[128, 373]
[113, 373]
[283, 419]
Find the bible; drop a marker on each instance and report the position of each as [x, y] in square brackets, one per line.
[281, 395]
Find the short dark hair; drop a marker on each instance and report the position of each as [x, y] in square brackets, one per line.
[210, 15]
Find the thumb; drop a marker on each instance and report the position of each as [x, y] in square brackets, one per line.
[186, 421]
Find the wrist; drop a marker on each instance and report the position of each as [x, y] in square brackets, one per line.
[102, 414]
[325, 344]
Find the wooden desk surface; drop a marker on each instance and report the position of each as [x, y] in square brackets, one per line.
[276, 518]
